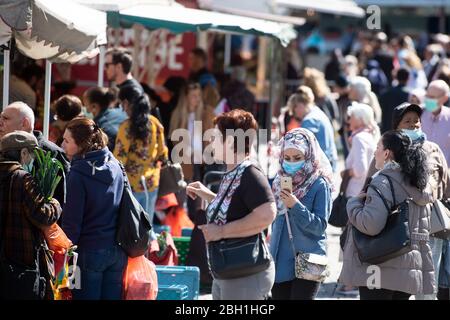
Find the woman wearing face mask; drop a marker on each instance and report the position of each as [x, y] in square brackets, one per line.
[404, 164]
[98, 101]
[406, 117]
[308, 206]
[25, 211]
[141, 147]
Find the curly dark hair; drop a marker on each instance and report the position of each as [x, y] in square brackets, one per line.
[140, 110]
[410, 156]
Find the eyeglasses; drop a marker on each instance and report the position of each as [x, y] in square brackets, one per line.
[294, 136]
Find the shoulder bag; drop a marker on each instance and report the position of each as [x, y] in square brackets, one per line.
[338, 217]
[308, 266]
[393, 241]
[237, 257]
[134, 225]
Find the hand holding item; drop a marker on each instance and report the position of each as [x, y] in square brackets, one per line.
[288, 198]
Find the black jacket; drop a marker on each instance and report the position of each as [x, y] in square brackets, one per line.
[388, 101]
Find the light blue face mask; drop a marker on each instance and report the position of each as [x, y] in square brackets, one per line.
[431, 105]
[86, 113]
[292, 167]
[415, 135]
[29, 166]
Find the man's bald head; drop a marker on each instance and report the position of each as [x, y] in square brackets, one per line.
[16, 116]
[439, 85]
[438, 90]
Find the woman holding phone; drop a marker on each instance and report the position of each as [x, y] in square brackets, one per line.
[302, 190]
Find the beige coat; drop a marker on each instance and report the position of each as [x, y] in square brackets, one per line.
[411, 272]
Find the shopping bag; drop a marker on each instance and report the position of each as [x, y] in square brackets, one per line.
[140, 280]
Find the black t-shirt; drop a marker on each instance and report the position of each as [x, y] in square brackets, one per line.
[253, 191]
[131, 83]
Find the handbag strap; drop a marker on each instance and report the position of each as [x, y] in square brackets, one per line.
[216, 211]
[291, 237]
[381, 196]
[345, 182]
[392, 188]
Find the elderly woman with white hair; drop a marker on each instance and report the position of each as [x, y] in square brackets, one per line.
[361, 91]
[363, 142]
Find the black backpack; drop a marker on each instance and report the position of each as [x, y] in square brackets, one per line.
[134, 225]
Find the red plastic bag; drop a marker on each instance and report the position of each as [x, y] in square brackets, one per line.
[163, 251]
[57, 240]
[140, 281]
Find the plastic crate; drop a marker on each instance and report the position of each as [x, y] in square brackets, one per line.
[180, 275]
[173, 292]
[186, 232]
[182, 244]
[157, 228]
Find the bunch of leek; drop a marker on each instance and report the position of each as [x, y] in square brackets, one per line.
[46, 172]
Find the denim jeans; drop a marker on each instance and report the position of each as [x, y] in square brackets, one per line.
[444, 274]
[436, 251]
[101, 273]
[148, 202]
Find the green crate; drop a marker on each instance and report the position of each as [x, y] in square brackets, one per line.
[182, 244]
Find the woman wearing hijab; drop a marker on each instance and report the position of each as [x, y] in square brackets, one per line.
[307, 208]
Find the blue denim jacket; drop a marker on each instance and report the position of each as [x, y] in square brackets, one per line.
[308, 220]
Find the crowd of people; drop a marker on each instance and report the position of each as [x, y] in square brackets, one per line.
[384, 108]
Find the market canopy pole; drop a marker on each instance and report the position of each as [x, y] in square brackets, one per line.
[101, 65]
[48, 81]
[6, 70]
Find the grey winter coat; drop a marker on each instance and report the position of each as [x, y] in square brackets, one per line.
[411, 272]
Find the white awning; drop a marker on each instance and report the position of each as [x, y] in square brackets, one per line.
[52, 29]
[180, 19]
[117, 5]
[260, 9]
[405, 3]
[338, 7]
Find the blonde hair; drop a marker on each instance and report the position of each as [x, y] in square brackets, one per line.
[413, 61]
[302, 95]
[315, 79]
[180, 115]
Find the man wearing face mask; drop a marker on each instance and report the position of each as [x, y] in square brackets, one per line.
[19, 116]
[25, 212]
[436, 117]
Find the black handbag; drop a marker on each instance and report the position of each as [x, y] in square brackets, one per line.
[19, 281]
[393, 241]
[171, 179]
[237, 257]
[134, 225]
[338, 217]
